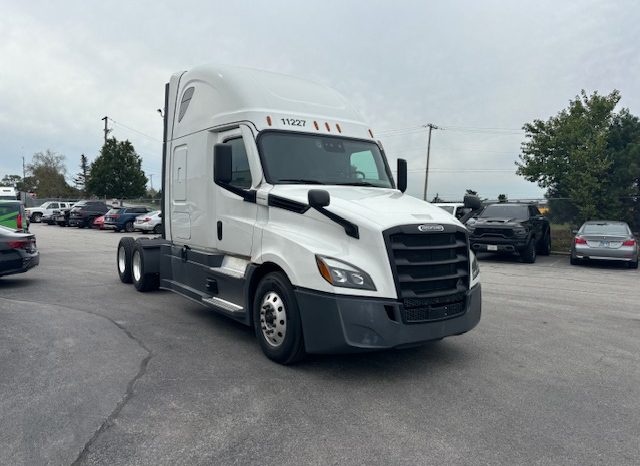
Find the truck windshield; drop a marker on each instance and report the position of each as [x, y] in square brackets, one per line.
[310, 159]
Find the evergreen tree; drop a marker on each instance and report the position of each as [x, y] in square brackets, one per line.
[117, 172]
[82, 176]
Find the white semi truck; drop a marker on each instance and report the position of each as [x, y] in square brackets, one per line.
[280, 211]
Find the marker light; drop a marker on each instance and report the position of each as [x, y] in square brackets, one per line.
[338, 128]
[269, 120]
[370, 133]
[315, 123]
[326, 125]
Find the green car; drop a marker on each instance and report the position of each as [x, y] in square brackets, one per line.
[12, 215]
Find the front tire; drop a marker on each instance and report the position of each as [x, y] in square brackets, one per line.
[123, 259]
[528, 254]
[276, 319]
[36, 218]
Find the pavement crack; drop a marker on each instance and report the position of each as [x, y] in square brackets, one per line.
[129, 392]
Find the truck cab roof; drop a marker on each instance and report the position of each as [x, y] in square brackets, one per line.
[214, 95]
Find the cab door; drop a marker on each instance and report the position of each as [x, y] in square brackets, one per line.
[236, 215]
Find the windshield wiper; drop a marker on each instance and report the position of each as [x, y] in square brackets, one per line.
[299, 181]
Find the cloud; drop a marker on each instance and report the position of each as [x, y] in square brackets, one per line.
[403, 64]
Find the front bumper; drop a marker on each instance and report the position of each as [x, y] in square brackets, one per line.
[342, 324]
[498, 244]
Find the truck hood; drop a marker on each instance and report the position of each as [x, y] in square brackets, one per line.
[497, 221]
[379, 208]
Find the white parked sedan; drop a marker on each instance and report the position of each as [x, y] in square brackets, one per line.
[151, 221]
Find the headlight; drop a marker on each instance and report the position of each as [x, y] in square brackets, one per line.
[475, 268]
[520, 231]
[342, 274]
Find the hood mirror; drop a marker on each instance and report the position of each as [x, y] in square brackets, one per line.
[402, 175]
[318, 198]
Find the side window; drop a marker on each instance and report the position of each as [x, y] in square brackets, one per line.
[363, 166]
[240, 174]
[533, 211]
[184, 102]
[53, 205]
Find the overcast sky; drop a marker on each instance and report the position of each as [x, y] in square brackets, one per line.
[463, 65]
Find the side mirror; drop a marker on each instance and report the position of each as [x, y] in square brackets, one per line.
[402, 175]
[318, 198]
[574, 232]
[222, 163]
[472, 202]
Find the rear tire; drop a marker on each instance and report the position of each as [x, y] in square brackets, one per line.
[545, 247]
[123, 259]
[633, 265]
[128, 227]
[276, 319]
[528, 254]
[574, 260]
[142, 280]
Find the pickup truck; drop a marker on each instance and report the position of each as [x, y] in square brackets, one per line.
[510, 228]
[35, 214]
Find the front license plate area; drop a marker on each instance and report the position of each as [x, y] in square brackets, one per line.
[492, 247]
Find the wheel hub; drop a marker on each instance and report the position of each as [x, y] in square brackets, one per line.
[121, 259]
[273, 319]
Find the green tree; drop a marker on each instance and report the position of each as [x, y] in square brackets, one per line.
[585, 155]
[82, 176]
[117, 172]
[46, 175]
[502, 198]
[10, 180]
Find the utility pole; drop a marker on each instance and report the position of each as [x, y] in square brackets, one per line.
[106, 128]
[24, 172]
[426, 173]
[151, 179]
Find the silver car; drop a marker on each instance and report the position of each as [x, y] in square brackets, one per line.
[151, 221]
[605, 240]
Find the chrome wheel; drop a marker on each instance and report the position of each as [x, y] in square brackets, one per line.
[136, 266]
[122, 260]
[273, 318]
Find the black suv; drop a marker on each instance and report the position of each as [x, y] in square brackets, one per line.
[511, 227]
[83, 213]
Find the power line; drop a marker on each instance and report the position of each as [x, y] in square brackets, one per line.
[135, 130]
[468, 129]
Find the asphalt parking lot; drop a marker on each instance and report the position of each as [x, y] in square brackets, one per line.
[93, 372]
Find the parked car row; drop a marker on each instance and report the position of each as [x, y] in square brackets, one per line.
[98, 214]
[520, 228]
